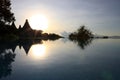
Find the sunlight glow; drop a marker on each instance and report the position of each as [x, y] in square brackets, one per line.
[37, 51]
[39, 22]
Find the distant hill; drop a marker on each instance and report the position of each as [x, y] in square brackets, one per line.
[101, 36]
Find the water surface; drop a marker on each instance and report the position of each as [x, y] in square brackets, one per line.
[60, 60]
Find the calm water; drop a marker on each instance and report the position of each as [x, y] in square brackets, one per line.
[62, 59]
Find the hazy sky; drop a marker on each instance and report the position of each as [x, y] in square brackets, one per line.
[100, 16]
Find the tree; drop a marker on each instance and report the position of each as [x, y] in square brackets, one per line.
[81, 33]
[6, 16]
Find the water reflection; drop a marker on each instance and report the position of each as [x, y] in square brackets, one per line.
[7, 56]
[26, 44]
[61, 60]
[7, 53]
[37, 51]
[82, 43]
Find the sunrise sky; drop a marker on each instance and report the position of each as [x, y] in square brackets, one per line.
[100, 16]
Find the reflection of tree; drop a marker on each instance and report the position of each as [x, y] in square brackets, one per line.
[82, 37]
[82, 43]
[6, 58]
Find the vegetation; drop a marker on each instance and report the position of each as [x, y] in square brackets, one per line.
[82, 37]
[6, 33]
[81, 33]
[6, 18]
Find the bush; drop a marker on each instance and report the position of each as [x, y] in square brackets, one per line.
[81, 33]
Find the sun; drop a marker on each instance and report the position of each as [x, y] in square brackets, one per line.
[39, 22]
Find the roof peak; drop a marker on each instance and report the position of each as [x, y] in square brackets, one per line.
[13, 25]
[27, 25]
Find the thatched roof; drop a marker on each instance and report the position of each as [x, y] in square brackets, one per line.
[27, 26]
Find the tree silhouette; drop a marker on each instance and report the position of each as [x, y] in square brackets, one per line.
[6, 16]
[81, 33]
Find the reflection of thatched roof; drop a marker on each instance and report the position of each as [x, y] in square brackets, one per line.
[13, 48]
[27, 26]
[27, 48]
[26, 44]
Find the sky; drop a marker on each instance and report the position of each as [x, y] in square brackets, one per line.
[102, 17]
